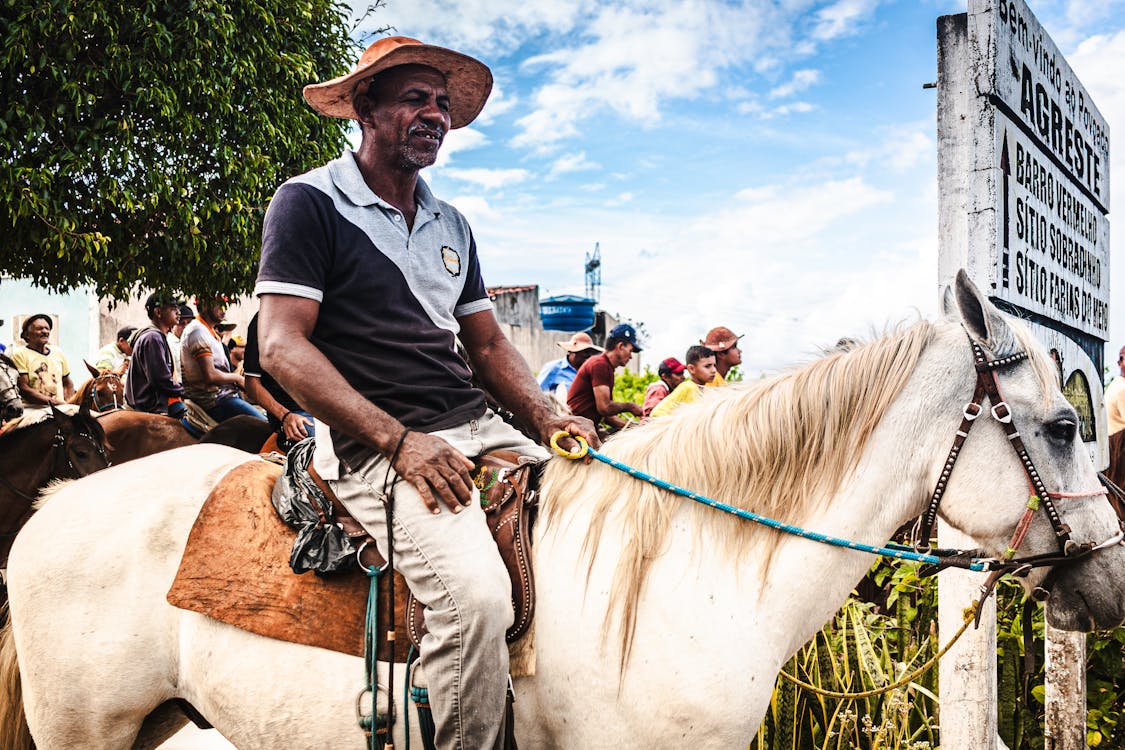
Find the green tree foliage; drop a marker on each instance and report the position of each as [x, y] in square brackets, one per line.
[142, 139]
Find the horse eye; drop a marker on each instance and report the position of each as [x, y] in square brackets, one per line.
[1062, 430]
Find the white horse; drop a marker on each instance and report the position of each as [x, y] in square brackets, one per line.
[659, 622]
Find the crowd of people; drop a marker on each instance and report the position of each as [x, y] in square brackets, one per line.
[583, 379]
[178, 355]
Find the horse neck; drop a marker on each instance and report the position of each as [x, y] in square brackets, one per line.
[26, 463]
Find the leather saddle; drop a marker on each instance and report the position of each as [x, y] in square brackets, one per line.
[235, 566]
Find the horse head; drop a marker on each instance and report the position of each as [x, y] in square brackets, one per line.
[79, 443]
[105, 390]
[1050, 486]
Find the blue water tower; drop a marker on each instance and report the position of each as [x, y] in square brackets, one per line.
[567, 312]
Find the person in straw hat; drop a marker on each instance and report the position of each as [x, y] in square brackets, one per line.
[560, 373]
[724, 342]
[366, 279]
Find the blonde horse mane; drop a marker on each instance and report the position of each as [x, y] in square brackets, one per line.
[778, 447]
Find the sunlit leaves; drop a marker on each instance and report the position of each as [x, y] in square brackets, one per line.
[142, 140]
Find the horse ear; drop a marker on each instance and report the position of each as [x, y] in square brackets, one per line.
[980, 317]
[93, 370]
[948, 302]
[57, 413]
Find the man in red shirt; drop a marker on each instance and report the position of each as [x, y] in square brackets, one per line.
[591, 393]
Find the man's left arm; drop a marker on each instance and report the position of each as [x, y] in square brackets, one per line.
[504, 372]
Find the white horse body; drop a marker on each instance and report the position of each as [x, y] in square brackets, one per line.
[100, 649]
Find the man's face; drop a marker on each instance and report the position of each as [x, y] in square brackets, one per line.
[702, 371]
[408, 116]
[212, 312]
[123, 345]
[38, 334]
[730, 357]
[620, 355]
[167, 315]
[1121, 360]
[673, 379]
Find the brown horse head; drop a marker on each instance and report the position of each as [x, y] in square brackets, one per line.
[104, 391]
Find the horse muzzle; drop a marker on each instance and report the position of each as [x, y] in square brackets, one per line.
[1087, 594]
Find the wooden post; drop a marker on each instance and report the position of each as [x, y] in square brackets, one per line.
[1065, 682]
[967, 674]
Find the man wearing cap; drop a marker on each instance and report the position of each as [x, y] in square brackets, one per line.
[366, 279]
[186, 316]
[724, 343]
[116, 353]
[561, 372]
[44, 374]
[151, 385]
[591, 393]
[670, 374]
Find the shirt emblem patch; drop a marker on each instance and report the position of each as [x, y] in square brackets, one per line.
[452, 260]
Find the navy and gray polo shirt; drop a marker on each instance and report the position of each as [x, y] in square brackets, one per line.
[389, 297]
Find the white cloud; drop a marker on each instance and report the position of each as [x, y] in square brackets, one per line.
[896, 148]
[462, 139]
[489, 179]
[801, 80]
[576, 162]
[842, 18]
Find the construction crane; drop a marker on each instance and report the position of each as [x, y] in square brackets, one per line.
[594, 273]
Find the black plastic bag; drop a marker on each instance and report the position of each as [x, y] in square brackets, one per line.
[319, 547]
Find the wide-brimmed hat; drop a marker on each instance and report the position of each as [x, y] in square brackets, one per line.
[468, 81]
[721, 338]
[580, 342]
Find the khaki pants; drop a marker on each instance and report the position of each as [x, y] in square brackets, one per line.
[452, 566]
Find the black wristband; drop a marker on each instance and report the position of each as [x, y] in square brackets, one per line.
[286, 414]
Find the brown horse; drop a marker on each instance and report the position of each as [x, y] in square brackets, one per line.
[133, 434]
[38, 449]
[104, 391]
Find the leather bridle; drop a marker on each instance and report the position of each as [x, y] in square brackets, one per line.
[62, 465]
[1039, 496]
[109, 405]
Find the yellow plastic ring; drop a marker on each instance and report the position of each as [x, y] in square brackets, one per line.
[583, 445]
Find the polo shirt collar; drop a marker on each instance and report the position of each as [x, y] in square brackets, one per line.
[349, 180]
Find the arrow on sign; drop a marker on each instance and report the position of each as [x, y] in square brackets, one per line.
[1006, 168]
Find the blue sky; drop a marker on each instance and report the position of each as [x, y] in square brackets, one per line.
[764, 165]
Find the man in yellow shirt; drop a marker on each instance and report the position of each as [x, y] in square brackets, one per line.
[701, 369]
[44, 375]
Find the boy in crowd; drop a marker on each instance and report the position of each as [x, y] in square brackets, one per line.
[701, 371]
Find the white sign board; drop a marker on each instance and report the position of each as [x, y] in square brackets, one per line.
[1045, 148]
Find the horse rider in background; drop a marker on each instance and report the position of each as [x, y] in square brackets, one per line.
[366, 279]
[724, 343]
[117, 352]
[209, 377]
[670, 373]
[591, 393]
[44, 374]
[560, 373]
[291, 422]
[152, 385]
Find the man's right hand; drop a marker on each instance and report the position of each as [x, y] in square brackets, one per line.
[437, 471]
[636, 409]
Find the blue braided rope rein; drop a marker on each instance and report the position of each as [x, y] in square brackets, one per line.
[894, 551]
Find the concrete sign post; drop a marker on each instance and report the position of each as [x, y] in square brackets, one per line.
[1023, 177]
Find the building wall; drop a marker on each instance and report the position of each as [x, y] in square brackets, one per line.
[73, 333]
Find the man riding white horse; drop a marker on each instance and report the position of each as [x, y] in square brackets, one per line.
[365, 281]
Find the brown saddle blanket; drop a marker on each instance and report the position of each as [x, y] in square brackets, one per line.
[235, 567]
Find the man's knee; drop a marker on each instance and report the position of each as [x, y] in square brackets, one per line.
[483, 603]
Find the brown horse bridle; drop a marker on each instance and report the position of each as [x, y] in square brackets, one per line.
[105, 377]
[1039, 496]
[60, 470]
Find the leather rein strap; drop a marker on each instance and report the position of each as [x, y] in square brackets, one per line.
[1039, 496]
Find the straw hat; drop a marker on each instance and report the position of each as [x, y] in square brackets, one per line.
[580, 342]
[469, 81]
